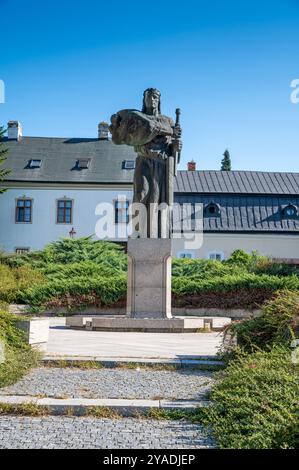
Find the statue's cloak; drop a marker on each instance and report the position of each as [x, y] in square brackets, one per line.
[132, 127]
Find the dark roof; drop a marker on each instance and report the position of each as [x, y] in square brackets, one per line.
[237, 182]
[59, 157]
[248, 200]
[245, 213]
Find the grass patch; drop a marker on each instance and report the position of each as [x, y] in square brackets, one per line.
[28, 409]
[63, 364]
[193, 416]
[32, 409]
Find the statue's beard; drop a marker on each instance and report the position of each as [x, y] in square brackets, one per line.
[152, 110]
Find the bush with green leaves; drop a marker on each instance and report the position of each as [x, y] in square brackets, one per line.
[19, 357]
[82, 272]
[257, 264]
[14, 280]
[67, 251]
[255, 402]
[278, 323]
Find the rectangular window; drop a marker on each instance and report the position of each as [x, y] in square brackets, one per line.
[22, 251]
[24, 211]
[216, 256]
[64, 211]
[186, 255]
[121, 212]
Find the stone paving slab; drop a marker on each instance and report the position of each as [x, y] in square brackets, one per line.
[61, 432]
[183, 384]
[67, 342]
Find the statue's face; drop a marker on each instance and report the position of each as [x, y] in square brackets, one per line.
[152, 99]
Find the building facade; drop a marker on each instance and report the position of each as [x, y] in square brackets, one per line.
[56, 185]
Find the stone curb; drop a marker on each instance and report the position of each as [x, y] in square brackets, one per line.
[79, 406]
[114, 362]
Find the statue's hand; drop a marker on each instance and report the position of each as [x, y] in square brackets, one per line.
[177, 131]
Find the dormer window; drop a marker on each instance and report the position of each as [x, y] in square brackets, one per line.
[35, 163]
[212, 210]
[129, 165]
[83, 163]
[290, 211]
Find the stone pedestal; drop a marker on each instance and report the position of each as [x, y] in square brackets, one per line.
[149, 278]
[36, 331]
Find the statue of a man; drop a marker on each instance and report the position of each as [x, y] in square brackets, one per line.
[156, 140]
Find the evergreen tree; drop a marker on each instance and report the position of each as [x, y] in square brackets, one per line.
[3, 152]
[226, 164]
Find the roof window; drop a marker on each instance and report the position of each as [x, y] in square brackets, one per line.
[212, 210]
[83, 163]
[290, 211]
[129, 165]
[35, 163]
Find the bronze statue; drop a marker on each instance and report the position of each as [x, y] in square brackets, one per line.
[156, 140]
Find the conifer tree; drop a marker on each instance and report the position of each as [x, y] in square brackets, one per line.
[226, 164]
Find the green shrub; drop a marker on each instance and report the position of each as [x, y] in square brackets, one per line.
[255, 402]
[19, 357]
[278, 324]
[240, 257]
[232, 282]
[14, 279]
[202, 269]
[8, 284]
[69, 251]
[257, 264]
[70, 271]
[107, 290]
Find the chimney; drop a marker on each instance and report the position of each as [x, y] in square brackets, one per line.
[14, 130]
[192, 166]
[103, 131]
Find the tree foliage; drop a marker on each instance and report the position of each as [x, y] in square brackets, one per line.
[226, 164]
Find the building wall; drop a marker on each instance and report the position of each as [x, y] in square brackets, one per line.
[276, 246]
[44, 228]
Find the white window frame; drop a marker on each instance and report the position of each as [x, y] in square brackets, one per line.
[185, 254]
[214, 253]
[22, 250]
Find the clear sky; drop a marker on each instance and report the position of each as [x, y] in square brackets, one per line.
[227, 64]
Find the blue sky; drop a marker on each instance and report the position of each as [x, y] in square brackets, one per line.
[227, 64]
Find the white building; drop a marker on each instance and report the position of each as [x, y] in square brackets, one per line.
[55, 185]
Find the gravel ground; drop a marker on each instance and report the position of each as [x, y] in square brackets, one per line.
[72, 432]
[113, 383]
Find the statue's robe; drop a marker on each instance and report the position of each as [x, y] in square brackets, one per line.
[151, 137]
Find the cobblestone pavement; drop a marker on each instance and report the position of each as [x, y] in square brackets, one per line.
[72, 432]
[113, 383]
